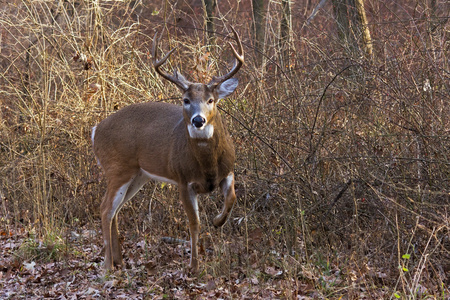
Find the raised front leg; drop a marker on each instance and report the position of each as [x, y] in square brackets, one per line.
[189, 199]
[227, 186]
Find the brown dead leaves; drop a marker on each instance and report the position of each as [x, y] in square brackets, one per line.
[158, 270]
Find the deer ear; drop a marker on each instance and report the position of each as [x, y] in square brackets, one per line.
[226, 88]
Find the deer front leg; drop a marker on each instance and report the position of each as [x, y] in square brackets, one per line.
[227, 186]
[189, 199]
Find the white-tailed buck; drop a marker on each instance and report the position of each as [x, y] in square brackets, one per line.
[188, 146]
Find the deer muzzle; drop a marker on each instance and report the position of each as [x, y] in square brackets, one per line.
[198, 121]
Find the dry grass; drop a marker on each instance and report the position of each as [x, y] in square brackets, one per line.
[342, 162]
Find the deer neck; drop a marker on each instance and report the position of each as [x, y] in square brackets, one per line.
[207, 150]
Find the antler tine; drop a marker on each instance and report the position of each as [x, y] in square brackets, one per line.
[238, 63]
[176, 78]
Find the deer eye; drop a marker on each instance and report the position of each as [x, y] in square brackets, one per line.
[186, 101]
[210, 101]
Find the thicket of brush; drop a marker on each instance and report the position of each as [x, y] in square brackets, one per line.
[342, 159]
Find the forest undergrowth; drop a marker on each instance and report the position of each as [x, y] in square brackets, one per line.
[342, 170]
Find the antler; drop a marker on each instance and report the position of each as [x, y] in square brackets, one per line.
[176, 78]
[237, 65]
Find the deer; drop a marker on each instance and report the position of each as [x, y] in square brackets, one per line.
[188, 146]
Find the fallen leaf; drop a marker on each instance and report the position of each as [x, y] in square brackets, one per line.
[29, 266]
[272, 272]
[210, 285]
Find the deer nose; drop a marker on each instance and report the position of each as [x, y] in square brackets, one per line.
[198, 121]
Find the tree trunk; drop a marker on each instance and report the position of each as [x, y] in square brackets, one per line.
[363, 27]
[285, 30]
[209, 6]
[353, 30]
[259, 29]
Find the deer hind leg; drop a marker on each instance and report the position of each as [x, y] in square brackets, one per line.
[190, 203]
[114, 200]
[227, 186]
[114, 195]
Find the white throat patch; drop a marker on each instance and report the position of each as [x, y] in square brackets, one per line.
[205, 132]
